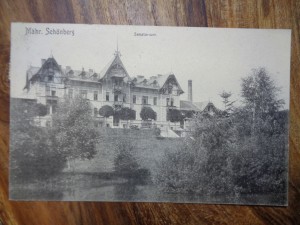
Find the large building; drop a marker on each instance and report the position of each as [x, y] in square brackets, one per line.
[114, 87]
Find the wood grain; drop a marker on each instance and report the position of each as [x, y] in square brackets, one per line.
[226, 13]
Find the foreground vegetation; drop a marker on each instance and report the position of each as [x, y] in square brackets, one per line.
[240, 151]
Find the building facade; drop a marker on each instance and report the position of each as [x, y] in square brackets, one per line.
[113, 86]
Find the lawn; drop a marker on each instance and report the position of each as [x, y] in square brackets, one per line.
[148, 149]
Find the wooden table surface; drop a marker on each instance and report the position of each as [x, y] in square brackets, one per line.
[213, 13]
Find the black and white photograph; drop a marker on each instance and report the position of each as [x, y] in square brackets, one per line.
[149, 114]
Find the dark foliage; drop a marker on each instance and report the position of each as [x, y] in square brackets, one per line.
[244, 152]
[126, 164]
[106, 111]
[73, 131]
[148, 113]
[33, 155]
[174, 115]
[126, 113]
[42, 109]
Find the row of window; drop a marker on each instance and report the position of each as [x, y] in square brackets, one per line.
[83, 94]
[145, 99]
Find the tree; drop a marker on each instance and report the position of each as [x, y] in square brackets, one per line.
[202, 163]
[126, 114]
[147, 113]
[125, 162]
[174, 115]
[106, 111]
[262, 128]
[32, 152]
[189, 114]
[260, 97]
[41, 109]
[228, 105]
[73, 131]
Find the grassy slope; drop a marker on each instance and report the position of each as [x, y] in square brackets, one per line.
[148, 149]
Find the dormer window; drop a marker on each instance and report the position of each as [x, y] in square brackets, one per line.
[95, 76]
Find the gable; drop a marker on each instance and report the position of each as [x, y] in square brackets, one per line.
[49, 71]
[171, 86]
[114, 69]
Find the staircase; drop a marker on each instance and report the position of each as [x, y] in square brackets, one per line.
[167, 132]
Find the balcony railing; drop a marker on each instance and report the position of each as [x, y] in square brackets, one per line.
[117, 89]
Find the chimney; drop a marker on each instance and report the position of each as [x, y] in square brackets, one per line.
[190, 91]
[43, 61]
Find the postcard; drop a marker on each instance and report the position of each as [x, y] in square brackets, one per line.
[149, 114]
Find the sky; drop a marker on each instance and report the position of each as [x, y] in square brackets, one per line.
[215, 59]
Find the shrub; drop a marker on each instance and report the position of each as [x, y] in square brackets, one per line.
[147, 113]
[202, 164]
[106, 111]
[174, 115]
[33, 157]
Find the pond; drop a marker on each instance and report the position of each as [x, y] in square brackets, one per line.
[110, 187]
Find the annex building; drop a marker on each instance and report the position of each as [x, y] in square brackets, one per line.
[113, 86]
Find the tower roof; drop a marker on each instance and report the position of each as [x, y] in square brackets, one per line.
[115, 68]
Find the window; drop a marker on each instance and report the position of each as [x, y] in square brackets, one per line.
[170, 102]
[53, 93]
[155, 101]
[70, 93]
[95, 95]
[95, 111]
[50, 78]
[107, 96]
[54, 106]
[83, 94]
[47, 91]
[116, 98]
[134, 99]
[48, 109]
[145, 100]
[124, 98]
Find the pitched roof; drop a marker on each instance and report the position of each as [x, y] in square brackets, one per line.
[197, 106]
[154, 82]
[82, 75]
[201, 105]
[187, 105]
[118, 72]
[50, 62]
[68, 72]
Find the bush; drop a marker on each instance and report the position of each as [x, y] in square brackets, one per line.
[174, 115]
[126, 164]
[125, 161]
[157, 131]
[33, 157]
[147, 113]
[106, 111]
[201, 165]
